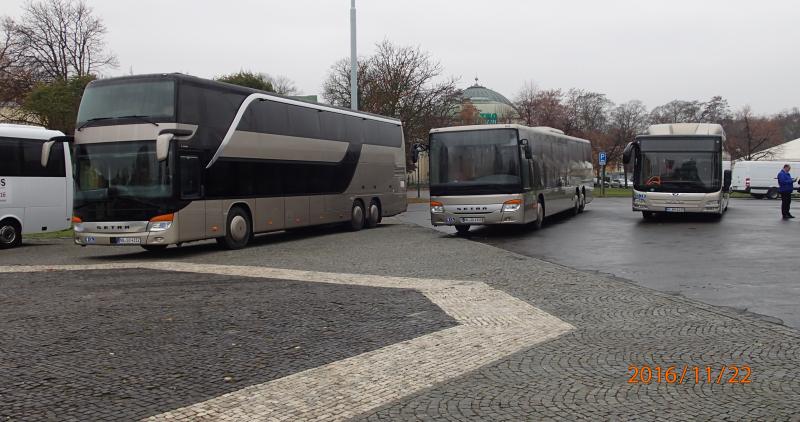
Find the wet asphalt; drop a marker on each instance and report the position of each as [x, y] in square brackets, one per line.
[748, 261]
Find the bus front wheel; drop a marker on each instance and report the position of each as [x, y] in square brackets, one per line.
[648, 215]
[462, 228]
[154, 248]
[539, 216]
[10, 234]
[238, 230]
[772, 193]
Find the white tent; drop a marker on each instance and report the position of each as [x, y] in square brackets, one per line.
[788, 151]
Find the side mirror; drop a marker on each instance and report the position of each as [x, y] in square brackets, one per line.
[46, 148]
[627, 154]
[526, 147]
[162, 146]
[727, 177]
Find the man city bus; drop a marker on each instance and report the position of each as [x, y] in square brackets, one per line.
[679, 168]
[506, 174]
[166, 159]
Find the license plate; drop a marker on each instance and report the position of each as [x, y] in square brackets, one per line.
[472, 219]
[126, 240]
[675, 209]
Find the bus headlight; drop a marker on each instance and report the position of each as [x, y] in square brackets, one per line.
[159, 226]
[437, 207]
[160, 223]
[512, 205]
[77, 227]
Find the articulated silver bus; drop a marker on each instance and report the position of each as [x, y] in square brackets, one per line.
[506, 174]
[680, 168]
[167, 159]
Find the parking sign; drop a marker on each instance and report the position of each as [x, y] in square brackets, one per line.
[602, 158]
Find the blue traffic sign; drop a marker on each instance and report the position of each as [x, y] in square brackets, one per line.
[602, 159]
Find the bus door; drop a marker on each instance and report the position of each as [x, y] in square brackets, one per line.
[190, 175]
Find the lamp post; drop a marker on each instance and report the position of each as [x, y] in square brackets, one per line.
[353, 58]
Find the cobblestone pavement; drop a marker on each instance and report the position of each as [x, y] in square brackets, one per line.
[129, 343]
[580, 374]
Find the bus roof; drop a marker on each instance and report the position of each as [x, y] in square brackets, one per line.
[247, 91]
[539, 129]
[27, 131]
[711, 129]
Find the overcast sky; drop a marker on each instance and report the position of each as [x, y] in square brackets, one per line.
[654, 51]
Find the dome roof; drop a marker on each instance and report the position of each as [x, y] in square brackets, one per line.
[477, 93]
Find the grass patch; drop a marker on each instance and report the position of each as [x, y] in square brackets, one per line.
[418, 200]
[63, 234]
[614, 193]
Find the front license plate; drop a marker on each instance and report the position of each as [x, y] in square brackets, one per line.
[126, 240]
[675, 209]
[472, 220]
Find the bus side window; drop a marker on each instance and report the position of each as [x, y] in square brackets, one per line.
[190, 177]
[10, 157]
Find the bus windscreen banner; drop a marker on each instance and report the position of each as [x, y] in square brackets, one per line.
[674, 143]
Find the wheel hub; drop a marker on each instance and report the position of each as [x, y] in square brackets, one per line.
[7, 234]
[238, 227]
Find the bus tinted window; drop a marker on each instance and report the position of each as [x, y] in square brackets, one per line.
[10, 157]
[23, 157]
[333, 126]
[304, 122]
[206, 106]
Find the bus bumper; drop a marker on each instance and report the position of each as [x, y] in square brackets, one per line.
[480, 214]
[665, 202]
[85, 235]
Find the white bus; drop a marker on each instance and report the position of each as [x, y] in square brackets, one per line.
[506, 174]
[35, 182]
[168, 158]
[759, 178]
[679, 168]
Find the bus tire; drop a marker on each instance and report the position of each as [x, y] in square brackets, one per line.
[583, 201]
[373, 214]
[539, 216]
[462, 229]
[154, 248]
[238, 230]
[357, 217]
[648, 215]
[10, 234]
[772, 193]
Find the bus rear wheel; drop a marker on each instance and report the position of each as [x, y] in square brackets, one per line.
[10, 234]
[357, 217]
[238, 230]
[373, 214]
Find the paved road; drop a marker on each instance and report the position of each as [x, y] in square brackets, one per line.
[748, 261]
[492, 365]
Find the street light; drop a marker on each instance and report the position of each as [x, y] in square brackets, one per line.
[353, 58]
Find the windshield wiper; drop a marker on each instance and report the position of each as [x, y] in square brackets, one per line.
[133, 116]
[139, 117]
[91, 121]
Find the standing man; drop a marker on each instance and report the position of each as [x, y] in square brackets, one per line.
[785, 187]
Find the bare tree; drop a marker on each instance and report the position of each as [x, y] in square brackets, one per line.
[677, 111]
[59, 39]
[402, 82]
[283, 85]
[627, 120]
[525, 102]
[750, 136]
[715, 110]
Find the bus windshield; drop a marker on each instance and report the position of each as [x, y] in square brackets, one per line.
[679, 172]
[477, 159]
[120, 170]
[153, 99]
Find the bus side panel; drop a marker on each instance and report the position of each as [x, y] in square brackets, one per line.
[296, 211]
[215, 223]
[192, 221]
[44, 200]
[376, 176]
[269, 215]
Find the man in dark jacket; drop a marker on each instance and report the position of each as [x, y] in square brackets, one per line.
[785, 186]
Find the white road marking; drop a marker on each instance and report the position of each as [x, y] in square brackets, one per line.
[492, 325]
